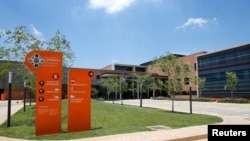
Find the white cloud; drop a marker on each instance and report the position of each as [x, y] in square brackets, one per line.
[36, 31]
[193, 22]
[110, 6]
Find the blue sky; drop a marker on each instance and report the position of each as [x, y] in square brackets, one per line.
[102, 32]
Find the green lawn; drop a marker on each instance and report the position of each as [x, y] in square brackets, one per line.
[106, 119]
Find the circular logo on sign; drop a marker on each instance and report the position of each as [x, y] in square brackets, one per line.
[91, 73]
[36, 60]
[73, 80]
[41, 91]
[55, 76]
[41, 99]
[41, 83]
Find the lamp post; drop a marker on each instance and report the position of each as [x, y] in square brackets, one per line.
[141, 93]
[121, 96]
[24, 95]
[113, 95]
[190, 96]
[9, 100]
[30, 96]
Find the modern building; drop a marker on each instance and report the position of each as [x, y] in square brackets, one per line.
[213, 66]
[191, 61]
[117, 70]
[17, 83]
[125, 71]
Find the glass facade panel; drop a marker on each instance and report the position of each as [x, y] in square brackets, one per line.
[213, 67]
[139, 69]
[123, 68]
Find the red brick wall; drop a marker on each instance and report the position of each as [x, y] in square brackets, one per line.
[191, 60]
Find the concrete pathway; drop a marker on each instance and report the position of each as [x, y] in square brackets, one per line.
[15, 106]
[231, 114]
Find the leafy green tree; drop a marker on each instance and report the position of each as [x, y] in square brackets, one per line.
[176, 71]
[114, 84]
[143, 81]
[133, 86]
[104, 84]
[94, 92]
[109, 83]
[123, 87]
[153, 86]
[231, 82]
[16, 43]
[200, 81]
[159, 85]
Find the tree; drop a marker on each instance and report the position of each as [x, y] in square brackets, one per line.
[143, 81]
[109, 83]
[123, 86]
[114, 84]
[94, 92]
[153, 86]
[16, 43]
[159, 85]
[231, 81]
[200, 81]
[175, 69]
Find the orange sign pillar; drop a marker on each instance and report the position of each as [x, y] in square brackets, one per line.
[48, 68]
[79, 99]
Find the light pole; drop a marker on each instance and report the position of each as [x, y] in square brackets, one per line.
[141, 93]
[9, 100]
[30, 96]
[116, 88]
[113, 95]
[190, 96]
[121, 96]
[24, 95]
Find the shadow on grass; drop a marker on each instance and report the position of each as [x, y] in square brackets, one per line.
[96, 128]
[107, 119]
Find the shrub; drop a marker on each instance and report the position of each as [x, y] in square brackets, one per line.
[160, 98]
[233, 100]
[203, 99]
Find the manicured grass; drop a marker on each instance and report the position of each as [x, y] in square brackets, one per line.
[106, 119]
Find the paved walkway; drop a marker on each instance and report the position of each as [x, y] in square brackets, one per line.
[15, 106]
[231, 114]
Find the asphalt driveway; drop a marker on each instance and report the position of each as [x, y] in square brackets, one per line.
[240, 111]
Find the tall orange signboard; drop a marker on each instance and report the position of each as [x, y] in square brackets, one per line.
[48, 68]
[79, 99]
